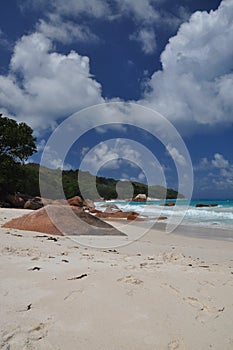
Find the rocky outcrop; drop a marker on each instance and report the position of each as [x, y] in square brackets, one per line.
[201, 205]
[169, 204]
[63, 220]
[117, 215]
[112, 210]
[36, 203]
[160, 218]
[140, 198]
[110, 206]
[134, 216]
[4, 204]
[75, 201]
[59, 202]
[15, 200]
[89, 204]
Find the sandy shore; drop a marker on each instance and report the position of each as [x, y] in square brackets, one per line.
[164, 291]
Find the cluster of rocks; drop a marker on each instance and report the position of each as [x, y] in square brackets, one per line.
[55, 216]
[63, 220]
[23, 201]
[201, 205]
[111, 211]
[140, 198]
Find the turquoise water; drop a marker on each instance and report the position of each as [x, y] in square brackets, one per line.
[220, 216]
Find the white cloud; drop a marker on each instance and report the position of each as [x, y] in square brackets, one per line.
[41, 145]
[3, 40]
[84, 150]
[141, 10]
[58, 164]
[53, 160]
[65, 32]
[113, 127]
[195, 85]
[194, 88]
[223, 180]
[175, 154]
[141, 176]
[218, 173]
[51, 85]
[94, 8]
[146, 14]
[146, 37]
[219, 161]
[109, 155]
[126, 156]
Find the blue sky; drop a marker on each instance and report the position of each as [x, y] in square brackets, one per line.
[59, 57]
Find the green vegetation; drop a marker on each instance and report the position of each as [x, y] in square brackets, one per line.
[106, 188]
[16, 145]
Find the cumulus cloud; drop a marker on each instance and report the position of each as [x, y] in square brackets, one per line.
[146, 37]
[193, 89]
[218, 161]
[52, 159]
[218, 173]
[63, 19]
[123, 153]
[195, 85]
[43, 85]
[110, 154]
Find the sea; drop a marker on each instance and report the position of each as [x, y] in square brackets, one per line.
[219, 217]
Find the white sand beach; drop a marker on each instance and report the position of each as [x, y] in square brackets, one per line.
[164, 291]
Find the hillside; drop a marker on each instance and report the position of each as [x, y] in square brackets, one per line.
[106, 187]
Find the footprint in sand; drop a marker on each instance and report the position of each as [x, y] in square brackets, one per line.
[176, 344]
[194, 302]
[22, 338]
[130, 279]
[172, 257]
[204, 312]
[228, 283]
[131, 267]
[174, 289]
[87, 256]
[204, 283]
[150, 266]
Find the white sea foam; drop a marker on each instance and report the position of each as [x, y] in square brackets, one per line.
[210, 216]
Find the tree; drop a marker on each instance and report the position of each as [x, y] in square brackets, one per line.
[16, 145]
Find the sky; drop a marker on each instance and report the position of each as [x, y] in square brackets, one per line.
[159, 72]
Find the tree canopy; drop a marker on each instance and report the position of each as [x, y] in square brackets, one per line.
[16, 144]
[16, 140]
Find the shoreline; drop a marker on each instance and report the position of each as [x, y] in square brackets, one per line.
[154, 293]
[187, 230]
[211, 216]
